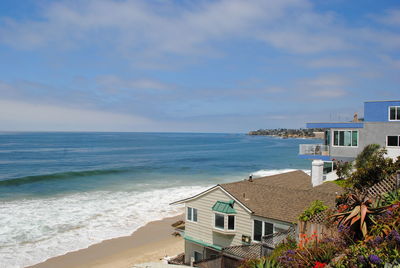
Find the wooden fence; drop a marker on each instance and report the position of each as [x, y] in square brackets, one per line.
[316, 225]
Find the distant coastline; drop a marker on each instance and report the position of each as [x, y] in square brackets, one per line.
[285, 133]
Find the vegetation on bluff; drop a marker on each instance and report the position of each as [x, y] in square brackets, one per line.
[287, 133]
[366, 232]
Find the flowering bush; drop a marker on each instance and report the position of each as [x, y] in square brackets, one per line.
[319, 264]
[288, 245]
[311, 252]
[380, 247]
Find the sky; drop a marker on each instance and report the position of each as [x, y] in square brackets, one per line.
[193, 66]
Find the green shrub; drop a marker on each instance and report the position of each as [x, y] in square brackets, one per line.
[343, 169]
[260, 263]
[372, 167]
[316, 207]
[389, 198]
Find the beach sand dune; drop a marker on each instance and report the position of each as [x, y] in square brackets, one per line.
[149, 243]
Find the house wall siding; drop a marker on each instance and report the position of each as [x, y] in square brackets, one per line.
[189, 250]
[203, 228]
[378, 111]
[372, 133]
[343, 152]
[377, 133]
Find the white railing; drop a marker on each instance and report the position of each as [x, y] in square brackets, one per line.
[314, 149]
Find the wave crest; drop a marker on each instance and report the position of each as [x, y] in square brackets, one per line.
[60, 176]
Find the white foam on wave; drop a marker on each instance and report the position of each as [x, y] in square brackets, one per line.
[270, 172]
[35, 230]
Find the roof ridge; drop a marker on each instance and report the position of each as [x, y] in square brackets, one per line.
[251, 184]
[269, 176]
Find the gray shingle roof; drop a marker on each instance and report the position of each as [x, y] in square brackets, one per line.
[282, 197]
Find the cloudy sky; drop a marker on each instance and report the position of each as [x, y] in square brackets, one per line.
[194, 66]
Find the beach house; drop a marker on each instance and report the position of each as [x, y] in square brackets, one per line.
[345, 140]
[241, 213]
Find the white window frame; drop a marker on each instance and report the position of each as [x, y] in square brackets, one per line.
[398, 140]
[262, 229]
[214, 223]
[226, 222]
[187, 214]
[344, 146]
[395, 115]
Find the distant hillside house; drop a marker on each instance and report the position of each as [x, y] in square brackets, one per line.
[243, 212]
[345, 140]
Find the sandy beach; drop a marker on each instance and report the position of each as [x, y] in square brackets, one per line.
[149, 243]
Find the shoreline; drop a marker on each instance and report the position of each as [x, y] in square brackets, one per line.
[285, 137]
[125, 251]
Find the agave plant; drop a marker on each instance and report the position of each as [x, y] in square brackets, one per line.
[267, 263]
[260, 263]
[358, 214]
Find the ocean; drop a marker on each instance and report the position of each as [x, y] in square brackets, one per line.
[61, 192]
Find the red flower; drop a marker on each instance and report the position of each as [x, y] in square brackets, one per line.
[342, 207]
[319, 264]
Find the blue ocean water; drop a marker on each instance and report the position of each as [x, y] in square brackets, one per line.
[86, 187]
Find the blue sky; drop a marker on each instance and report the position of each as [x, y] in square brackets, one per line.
[193, 66]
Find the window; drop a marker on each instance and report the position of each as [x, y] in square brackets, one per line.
[257, 230]
[231, 222]
[192, 214]
[394, 113]
[345, 138]
[197, 256]
[328, 167]
[195, 214]
[393, 141]
[268, 228]
[262, 228]
[219, 221]
[327, 136]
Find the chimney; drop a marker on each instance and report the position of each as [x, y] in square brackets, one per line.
[317, 174]
[355, 117]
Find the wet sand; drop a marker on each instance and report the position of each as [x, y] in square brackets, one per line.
[149, 243]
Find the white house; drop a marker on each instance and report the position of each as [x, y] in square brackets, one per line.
[242, 212]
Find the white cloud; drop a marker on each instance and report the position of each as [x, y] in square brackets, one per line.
[334, 63]
[326, 81]
[324, 86]
[114, 82]
[332, 92]
[19, 116]
[274, 89]
[391, 61]
[148, 29]
[160, 26]
[390, 17]
[142, 29]
[304, 42]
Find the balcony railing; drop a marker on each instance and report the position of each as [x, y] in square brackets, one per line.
[314, 149]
